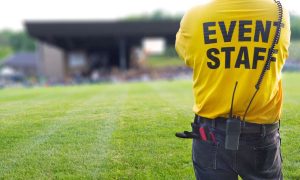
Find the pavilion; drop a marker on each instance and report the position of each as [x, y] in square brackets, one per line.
[66, 48]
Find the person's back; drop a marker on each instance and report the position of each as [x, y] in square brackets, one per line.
[226, 43]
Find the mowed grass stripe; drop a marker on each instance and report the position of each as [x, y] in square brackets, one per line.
[103, 144]
[22, 126]
[23, 105]
[179, 101]
[36, 98]
[18, 95]
[27, 99]
[144, 145]
[77, 145]
[38, 107]
[10, 159]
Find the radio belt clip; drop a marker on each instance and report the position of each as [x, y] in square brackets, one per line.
[233, 132]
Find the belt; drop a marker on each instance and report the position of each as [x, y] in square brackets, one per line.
[247, 128]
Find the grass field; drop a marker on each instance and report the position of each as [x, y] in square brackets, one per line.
[123, 131]
[163, 61]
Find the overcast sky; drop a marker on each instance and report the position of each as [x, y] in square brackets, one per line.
[14, 12]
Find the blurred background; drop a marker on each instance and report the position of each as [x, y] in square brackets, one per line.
[47, 43]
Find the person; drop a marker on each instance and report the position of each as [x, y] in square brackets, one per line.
[238, 95]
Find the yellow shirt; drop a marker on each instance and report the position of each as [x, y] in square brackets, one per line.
[227, 41]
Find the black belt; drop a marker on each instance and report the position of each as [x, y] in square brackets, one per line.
[247, 128]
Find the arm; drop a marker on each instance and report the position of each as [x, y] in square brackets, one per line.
[183, 41]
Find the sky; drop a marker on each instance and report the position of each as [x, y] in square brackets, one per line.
[14, 12]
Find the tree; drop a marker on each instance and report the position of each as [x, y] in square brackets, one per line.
[5, 51]
[21, 42]
[295, 27]
[11, 42]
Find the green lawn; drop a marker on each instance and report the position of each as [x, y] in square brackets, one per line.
[164, 61]
[118, 131]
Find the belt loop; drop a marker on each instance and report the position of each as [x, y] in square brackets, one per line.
[198, 119]
[243, 123]
[213, 123]
[263, 129]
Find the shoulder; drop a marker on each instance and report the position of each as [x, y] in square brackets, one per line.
[196, 10]
[194, 14]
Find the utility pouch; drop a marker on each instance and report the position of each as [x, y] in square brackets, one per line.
[190, 135]
[233, 132]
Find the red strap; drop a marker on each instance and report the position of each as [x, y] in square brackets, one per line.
[202, 134]
[213, 137]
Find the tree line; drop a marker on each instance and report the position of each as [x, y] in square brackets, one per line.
[11, 42]
[295, 27]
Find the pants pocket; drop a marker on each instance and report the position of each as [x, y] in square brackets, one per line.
[204, 154]
[268, 158]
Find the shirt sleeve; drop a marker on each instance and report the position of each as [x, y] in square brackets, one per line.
[183, 41]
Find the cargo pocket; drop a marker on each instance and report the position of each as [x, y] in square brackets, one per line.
[268, 157]
[204, 154]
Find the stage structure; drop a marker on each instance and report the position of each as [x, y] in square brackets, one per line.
[69, 48]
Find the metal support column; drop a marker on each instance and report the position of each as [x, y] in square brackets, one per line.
[122, 54]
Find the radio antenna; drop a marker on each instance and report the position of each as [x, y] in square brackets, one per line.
[232, 100]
